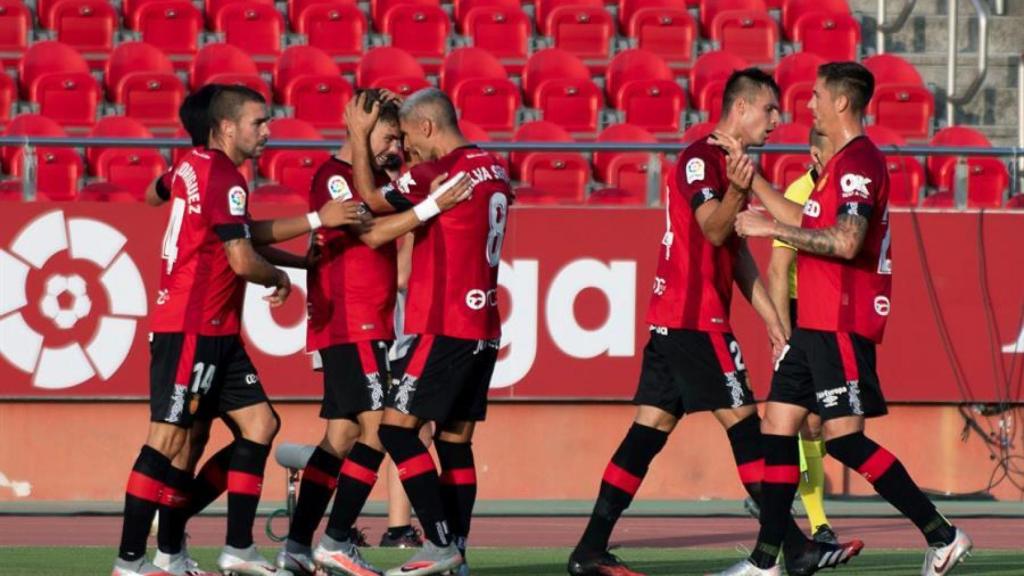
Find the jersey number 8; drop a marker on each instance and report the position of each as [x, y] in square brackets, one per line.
[497, 217]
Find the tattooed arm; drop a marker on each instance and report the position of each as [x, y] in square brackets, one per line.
[843, 240]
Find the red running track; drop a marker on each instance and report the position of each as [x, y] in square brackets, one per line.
[988, 533]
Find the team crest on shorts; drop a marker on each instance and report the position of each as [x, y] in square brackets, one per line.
[338, 188]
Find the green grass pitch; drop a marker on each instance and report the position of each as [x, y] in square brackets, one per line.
[73, 561]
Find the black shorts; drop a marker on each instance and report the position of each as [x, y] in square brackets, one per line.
[356, 377]
[199, 377]
[832, 374]
[444, 379]
[688, 371]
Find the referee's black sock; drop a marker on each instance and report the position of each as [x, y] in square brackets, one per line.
[245, 482]
[319, 479]
[892, 482]
[621, 480]
[173, 510]
[358, 475]
[419, 478]
[211, 481]
[746, 442]
[141, 499]
[458, 487]
[781, 477]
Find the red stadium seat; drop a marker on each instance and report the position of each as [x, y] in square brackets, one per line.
[338, 29]
[795, 75]
[710, 9]
[296, 7]
[310, 82]
[708, 77]
[952, 136]
[292, 168]
[43, 10]
[172, 26]
[15, 26]
[58, 169]
[834, 37]
[987, 177]
[281, 194]
[656, 105]
[113, 127]
[462, 8]
[8, 94]
[390, 67]
[421, 31]
[379, 8]
[616, 197]
[631, 66]
[697, 132]
[72, 99]
[221, 59]
[586, 31]
[751, 35]
[628, 9]
[782, 169]
[480, 89]
[110, 192]
[130, 169]
[667, 32]
[87, 26]
[906, 108]
[560, 174]
[213, 9]
[906, 175]
[573, 103]
[1015, 202]
[543, 9]
[892, 69]
[473, 133]
[132, 58]
[255, 28]
[504, 32]
[792, 10]
[469, 62]
[152, 98]
[44, 59]
[550, 64]
[625, 170]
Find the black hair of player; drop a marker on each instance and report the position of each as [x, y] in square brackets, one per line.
[194, 114]
[226, 103]
[746, 83]
[849, 79]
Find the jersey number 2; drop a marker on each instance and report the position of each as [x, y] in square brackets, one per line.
[497, 217]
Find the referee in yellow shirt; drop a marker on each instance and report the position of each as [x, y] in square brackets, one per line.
[782, 289]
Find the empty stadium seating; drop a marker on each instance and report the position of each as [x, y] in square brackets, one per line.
[795, 76]
[561, 176]
[987, 177]
[906, 175]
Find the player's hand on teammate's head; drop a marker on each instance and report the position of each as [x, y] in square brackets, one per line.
[732, 146]
[456, 190]
[361, 114]
[740, 171]
[753, 225]
[334, 214]
[282, 288]
[386, 95]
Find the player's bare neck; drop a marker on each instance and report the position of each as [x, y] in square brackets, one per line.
[236, 157]
[345, 154]
[845, 130]
[448, 143]
[731, 129]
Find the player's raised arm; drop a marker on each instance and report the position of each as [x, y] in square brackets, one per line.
[360, 117]
[444, 195]
[716, 217]
[781, 208]
[331, 215]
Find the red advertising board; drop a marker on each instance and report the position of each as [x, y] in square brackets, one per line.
[77, 279]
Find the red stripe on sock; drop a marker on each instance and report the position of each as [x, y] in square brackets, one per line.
[877, 465]
[459, 477]
[173, 498]
[622, 479]
[419, 356]
[416, 466]
[144, 487]
[722, 352]
[751, 472]
[358, 472]
[782, 474]
[848, 357]
[214, 475]
[318, 476]
[244, 483]
[183, 374]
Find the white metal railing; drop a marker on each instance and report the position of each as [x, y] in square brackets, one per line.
[884, 28]
[952, 98]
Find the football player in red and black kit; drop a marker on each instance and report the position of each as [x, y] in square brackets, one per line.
[351, 300]
[199, 367]
[452, 309]
[845, 270]
[692, 362]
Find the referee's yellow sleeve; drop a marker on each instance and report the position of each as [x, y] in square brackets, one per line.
[799, 191]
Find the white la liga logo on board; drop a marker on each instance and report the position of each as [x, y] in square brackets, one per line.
[66, 299]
